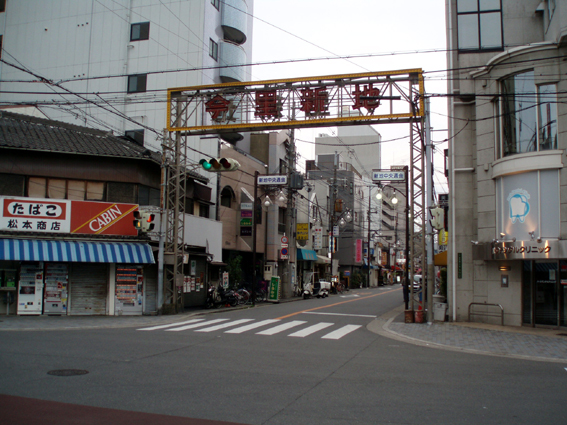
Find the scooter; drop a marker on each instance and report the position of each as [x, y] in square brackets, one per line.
[318, 289]
[219, 296]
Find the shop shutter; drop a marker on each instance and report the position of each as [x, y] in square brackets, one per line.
[88, 288]
[150, 288]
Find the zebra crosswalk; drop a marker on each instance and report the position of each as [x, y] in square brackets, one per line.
[301, 328]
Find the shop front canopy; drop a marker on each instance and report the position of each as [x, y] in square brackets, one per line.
[306, 255]
[75, 251]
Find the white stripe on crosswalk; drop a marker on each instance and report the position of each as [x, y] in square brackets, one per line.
[251, 326]
[224, 325]
[311, 329]
[339, 333]
[195, 325]
[281, 328]
[170, 325]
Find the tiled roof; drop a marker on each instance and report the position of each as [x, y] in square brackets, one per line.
[19, 131]
[27, 132]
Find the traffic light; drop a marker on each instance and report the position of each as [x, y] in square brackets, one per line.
[438, 220]
[148, 222]
[220, 164]
[138, 220]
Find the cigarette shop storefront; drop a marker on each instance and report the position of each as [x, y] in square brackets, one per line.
[54, 277]
[54, 261]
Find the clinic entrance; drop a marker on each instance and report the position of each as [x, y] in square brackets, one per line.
[544, 293]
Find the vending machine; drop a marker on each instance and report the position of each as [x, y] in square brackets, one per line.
[56, 278]
[129, 290]
[30, 288]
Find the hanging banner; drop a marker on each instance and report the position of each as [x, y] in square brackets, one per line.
[358, 253]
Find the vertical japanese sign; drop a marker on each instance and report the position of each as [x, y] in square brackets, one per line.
[358, 253]
[317, 237]
[274, 291]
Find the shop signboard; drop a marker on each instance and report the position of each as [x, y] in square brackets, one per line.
[318, 237]
[358, 258]
[274, 291]
[302, 233]
[64, 216]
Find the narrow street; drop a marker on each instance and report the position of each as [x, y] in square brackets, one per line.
[306, 362]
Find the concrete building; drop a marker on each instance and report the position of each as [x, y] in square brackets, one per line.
[107, 64]
[508, 181]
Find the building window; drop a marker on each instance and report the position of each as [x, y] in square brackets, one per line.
[528, 115]
[1, 39]
[137, 83]
[227, 196]
[2, 5]
[140, 31]
[204, 210]
[216, 3]
[479, 24]
[78, 190]
[148, 196]
[136, 135]
[213, 49]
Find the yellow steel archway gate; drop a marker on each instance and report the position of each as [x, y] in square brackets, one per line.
[325, 101]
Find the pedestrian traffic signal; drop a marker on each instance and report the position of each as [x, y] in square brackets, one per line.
[138, 220]
[148, 222]
[144, 221]
[220, 164]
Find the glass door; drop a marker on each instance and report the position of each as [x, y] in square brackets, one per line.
[546, 292]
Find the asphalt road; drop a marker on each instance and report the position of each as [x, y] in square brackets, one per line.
[307, 362]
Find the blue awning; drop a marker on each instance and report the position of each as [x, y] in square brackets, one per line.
[75, 251]
[306, 255]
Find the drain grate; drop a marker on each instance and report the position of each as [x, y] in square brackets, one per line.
[67, 372]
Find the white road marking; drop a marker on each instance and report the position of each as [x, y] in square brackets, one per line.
[195, 325]
[281, 328]
[224, 325]
[251, 326]
[338, 314]
[170, 325]
[311, 330]
[339, 333]
[350, 296]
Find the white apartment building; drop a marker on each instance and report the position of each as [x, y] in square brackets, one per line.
[108, 63]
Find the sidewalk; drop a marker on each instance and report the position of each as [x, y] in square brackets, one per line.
[480, 338]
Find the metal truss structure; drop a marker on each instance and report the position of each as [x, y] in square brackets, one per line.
[336, 100]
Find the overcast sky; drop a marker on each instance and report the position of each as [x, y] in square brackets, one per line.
[395, 34]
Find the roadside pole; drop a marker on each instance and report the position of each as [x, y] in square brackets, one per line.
[430, 242]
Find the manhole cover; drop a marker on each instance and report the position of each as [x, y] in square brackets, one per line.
[67, 372]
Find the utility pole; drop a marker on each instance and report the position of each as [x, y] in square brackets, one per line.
[369, 221]
[255, 217]
[333, 247]
[292, 251]
[429, 203]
